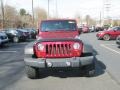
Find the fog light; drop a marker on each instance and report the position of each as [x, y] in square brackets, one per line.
[68, 63]
[49, 64]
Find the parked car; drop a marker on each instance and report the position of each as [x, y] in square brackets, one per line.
[111, 33]
[32, 33]
[118, 41]
[92, 29]
[16, 35]
[106, 27]
[3, 38]
[79, 30]
[25, 33]
[58, 47]
[98, 28]
[85, 29]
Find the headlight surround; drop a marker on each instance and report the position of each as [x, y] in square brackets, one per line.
[101, 32]
[41, 47]
[76, 46]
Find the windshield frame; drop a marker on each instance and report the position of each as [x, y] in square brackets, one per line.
[52, 30]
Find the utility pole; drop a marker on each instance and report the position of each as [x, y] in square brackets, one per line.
[48, 9]
[100, 19]
[56, 10]
[107, 6]
[33, 13]
[3, 14]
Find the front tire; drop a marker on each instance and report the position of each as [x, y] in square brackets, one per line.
[89, 70]
[106, 37]
[32, 72]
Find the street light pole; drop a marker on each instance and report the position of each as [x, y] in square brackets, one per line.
[3, 14]
[33, 13]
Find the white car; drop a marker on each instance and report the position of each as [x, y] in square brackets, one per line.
[3, 38]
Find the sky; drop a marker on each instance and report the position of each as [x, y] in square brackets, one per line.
[71, 8]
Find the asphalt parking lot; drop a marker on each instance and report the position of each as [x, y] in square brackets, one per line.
[13, 77]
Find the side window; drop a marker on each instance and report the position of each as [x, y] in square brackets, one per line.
[8, 31]
[118, 28]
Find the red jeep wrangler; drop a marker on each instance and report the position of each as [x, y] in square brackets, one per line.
[58, 45]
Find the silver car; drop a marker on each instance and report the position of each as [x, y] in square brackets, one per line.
[3, 38]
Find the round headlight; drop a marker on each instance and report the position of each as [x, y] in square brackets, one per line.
[40, 47]
[76, 46]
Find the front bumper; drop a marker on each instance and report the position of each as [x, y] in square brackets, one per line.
[99, 36]
[24, 37]
[4, 41]
[58, 62]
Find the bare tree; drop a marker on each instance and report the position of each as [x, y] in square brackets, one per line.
[90, 21]
[10, 16]
[78, 18]
[40, 14]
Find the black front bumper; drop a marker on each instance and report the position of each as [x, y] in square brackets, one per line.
[58, 62]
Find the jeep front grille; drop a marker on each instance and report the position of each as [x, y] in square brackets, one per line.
[58, 50]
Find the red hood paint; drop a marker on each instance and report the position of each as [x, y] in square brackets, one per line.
[58, 34]
[107, 31]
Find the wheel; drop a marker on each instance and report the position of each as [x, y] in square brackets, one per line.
[106, 37]
[15, 39]
[98, 38]
[32, 73]
[89, 70]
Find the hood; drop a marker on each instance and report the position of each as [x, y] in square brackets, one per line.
[2, 34]
[106, 31]
[58, 34]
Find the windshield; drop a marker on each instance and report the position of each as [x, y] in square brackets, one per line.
[66, 25]
[113, 28]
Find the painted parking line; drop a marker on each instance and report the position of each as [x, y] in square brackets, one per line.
[8, 51]
[109, 44]
[105, 46]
